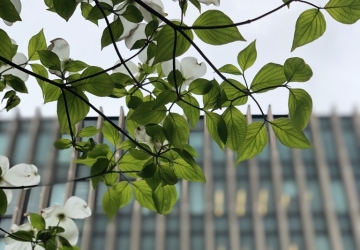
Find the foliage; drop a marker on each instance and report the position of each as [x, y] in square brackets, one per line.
[154, 150]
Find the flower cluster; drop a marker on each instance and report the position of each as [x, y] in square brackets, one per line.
[54, 217]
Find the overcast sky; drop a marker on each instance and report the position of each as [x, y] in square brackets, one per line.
[334, 58]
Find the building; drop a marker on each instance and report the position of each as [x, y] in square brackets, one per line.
[283, 199]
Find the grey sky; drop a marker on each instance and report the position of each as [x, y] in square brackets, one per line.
[333, 58]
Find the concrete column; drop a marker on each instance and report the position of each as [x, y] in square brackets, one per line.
[325, 186]
[276, 175]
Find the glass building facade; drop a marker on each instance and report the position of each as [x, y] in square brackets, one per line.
[283, 199]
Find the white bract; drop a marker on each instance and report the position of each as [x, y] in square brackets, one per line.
[189, 68]
[74, 208]
[129, 27]
[62, 49]
[142, 137]
[17, 176]
[12, 244]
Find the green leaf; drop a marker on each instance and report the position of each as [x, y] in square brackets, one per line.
[217, 128]
[128, 163]
[230, 69]
[100, 85]
[234, 96]
[95, 13]
[165, 44]
[40, 70]
[65, 245]
[140, 154]
[288, 135]
[176, 81]
[296, 70]
[12, 102]
[16, 83]
[49, 59]
[151, 28]
[185, 171]
[165, 97]
[196, 3]
[100, 150]
[116, 28]
[36, 43]
[344, 11]
[184, 154]
[148, 171]
[8, 12]
[127, 144]
[154, 181]
[156, 132]
[76, 108]
[132, 14]
[309, 26]
[176, 130]
[124, 191]
[191, 109]
[3, 202]
[111, 134]
[143, 194]
[75, 66]
[211, 98]
[236, 126]
[167, 174]
[65, 8]
[111, 202]
[100, 166]
[216, 36]
[85, 11]
[146, 114]
[270, 76]
[37, 221]
[200, 86]
[300, 107]
[52, 93]
[247, 57]
[8, 94]
[63, 144]
[21, 235]
[255, 141]
[87, 131]
[164, 198]
[6, 50]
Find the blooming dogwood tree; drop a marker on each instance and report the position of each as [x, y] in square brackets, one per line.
[158, 76]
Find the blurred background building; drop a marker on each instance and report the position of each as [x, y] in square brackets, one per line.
[283, 199]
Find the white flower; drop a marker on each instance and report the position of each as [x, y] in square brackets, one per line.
[142, 137]
[19, 175]
[17, 5]
[189, 68]
[12, 244]
[75, 208]
[62, 49]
